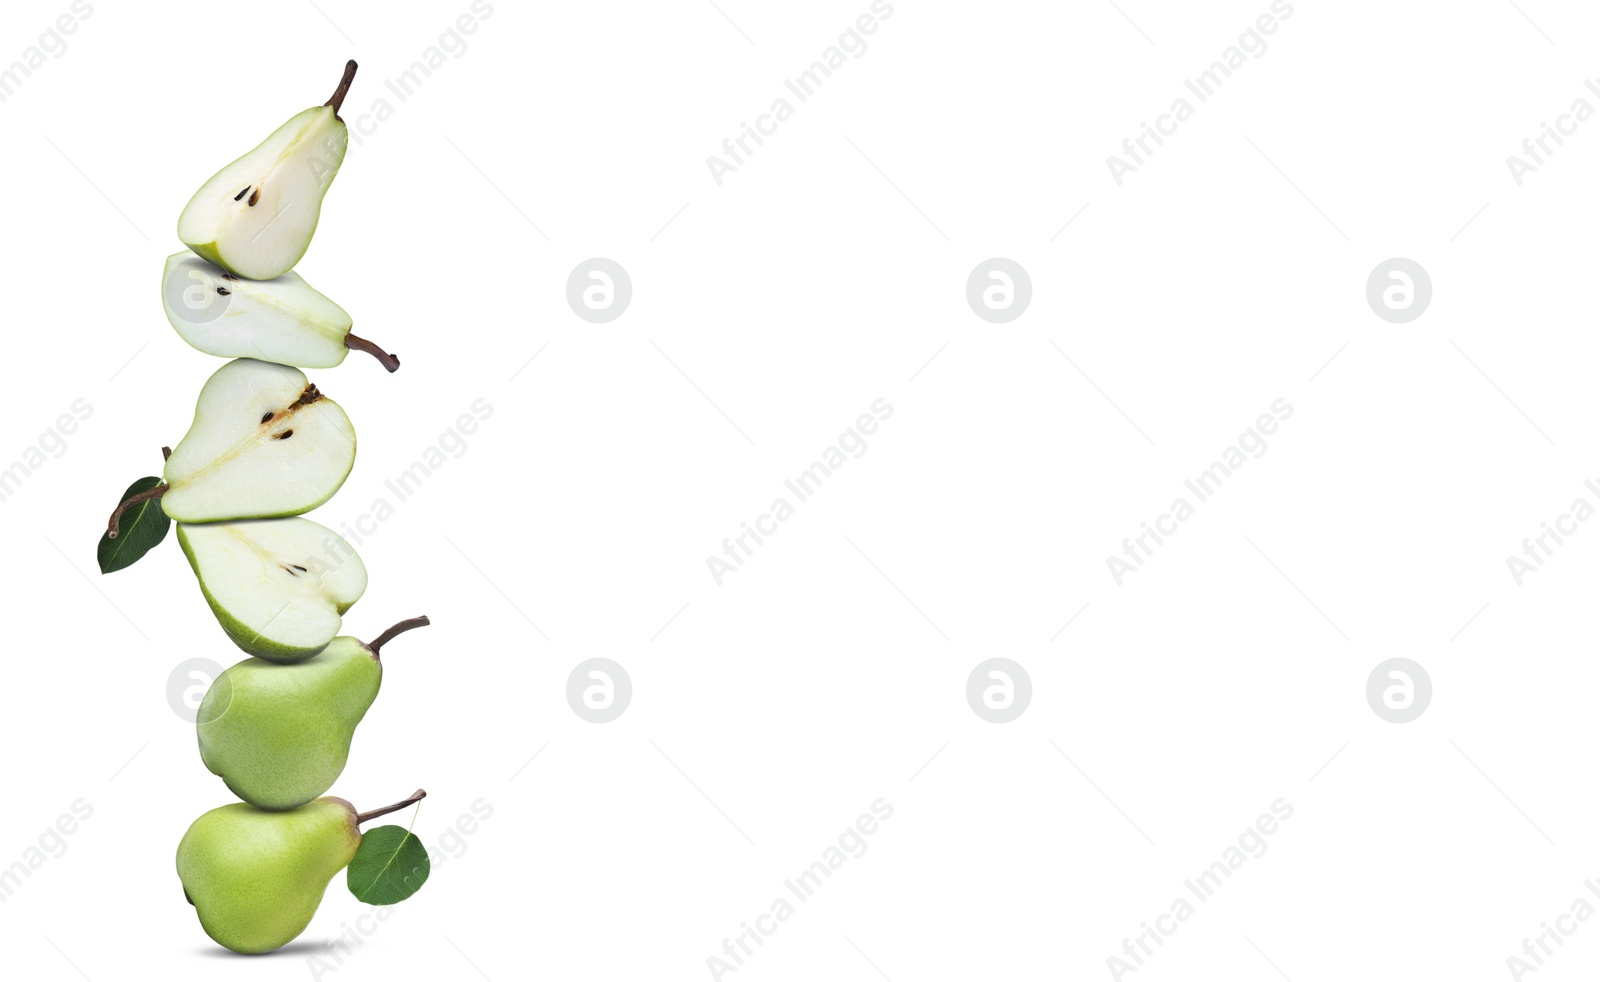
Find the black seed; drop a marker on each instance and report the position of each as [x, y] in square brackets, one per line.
[302, 569]
[224, 291]
[266, 418]
[241, 194]
[255, 197]
[286, 434]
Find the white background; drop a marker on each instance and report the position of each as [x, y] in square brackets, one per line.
[772, 710]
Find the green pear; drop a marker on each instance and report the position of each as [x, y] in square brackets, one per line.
[255, 217]
[280, 320]
[264, 444]
[279, 735]
[257, 877]
[277, 586]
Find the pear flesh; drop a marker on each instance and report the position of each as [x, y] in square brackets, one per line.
[281, 320]
[278, 587]
[255, 217]
[279, 735]
[256, 878]
[264, 444]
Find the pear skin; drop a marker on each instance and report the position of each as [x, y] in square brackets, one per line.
[279, 735]
[256, 878]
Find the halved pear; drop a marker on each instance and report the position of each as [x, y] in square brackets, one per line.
[278, 587]
[256, 216]
[282, 320]
[264, 444]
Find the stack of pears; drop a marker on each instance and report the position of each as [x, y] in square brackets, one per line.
[266, 445]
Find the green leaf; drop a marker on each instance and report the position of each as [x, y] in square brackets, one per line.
[390, 865]
[142, 528]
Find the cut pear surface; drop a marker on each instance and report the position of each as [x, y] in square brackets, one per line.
[264, 444]
[278, 587]
[281, 320]
[256, 216]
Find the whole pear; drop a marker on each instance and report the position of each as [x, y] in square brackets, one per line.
[279, 735]
[256, 877]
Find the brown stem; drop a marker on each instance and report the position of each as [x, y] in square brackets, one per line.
[150, 495]
[376, 647]
[416, 796]
[362, 344]
[337, 99]
[166, 453]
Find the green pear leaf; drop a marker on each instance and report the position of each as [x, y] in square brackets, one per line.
[141, 529]
[390, 865]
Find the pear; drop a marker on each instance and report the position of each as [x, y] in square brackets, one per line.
[279, 735]
[256, 878]
[256, 216]
[282, 320]
[264, 444]
[279, 586]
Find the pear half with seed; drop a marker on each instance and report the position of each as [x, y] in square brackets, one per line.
[265, 443]
[255, 217]
[278, 587]
[281, 320]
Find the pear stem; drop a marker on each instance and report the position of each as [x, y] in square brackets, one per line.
[385, 359]
[337, 99]
[376, 647]
[416, 796]
[150, 495]
[166, 453]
